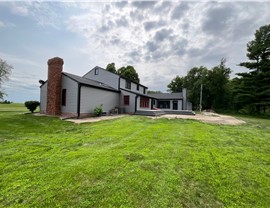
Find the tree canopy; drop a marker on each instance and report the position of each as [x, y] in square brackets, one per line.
[5, 71]
[214, 84]
[253, 88]
[111, 67]
[129, 72]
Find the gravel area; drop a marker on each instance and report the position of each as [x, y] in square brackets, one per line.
[204, 117]
[95, 119]
[207, 117]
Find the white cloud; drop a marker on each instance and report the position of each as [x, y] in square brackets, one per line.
[161, 39]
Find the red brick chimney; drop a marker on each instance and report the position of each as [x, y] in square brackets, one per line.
[55, 67]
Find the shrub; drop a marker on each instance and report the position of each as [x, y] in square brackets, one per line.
[98, 110]
[31, 105]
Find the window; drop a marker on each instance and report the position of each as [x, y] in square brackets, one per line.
[126, 99]
[128, 84]
[164, 104]
[64, 96]
[144, 90]
[96, 71]
[144, 102]
[138, 87]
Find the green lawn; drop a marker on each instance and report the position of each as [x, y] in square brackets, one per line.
[132, 162]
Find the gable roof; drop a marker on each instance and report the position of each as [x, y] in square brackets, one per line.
[168, 96]
[89, 82]
[97, 67]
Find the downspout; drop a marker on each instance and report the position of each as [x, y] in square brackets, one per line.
[136, 98]
[119, 83]
[79, 100]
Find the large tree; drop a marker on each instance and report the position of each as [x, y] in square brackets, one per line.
[130, 73]
[5, 71]
[256, 83]
[216, 84]
[195, 77]
[111, 67]
[176, 85]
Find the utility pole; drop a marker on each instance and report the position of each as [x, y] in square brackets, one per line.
[201, 99]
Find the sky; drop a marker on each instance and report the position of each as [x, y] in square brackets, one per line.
[161, 39]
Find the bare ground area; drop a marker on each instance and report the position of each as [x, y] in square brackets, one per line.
[204, 117]
[208, 118]
[95, 119]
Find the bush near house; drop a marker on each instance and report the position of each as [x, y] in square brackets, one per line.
[31, 105]
[98, 110]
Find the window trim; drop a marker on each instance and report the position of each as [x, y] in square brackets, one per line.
[126, 100]
[64, 97]
[128, 84]
[144, 102]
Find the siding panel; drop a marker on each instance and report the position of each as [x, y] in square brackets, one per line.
[104, 76]
[71, 95]
[43, 98]
[92, 97]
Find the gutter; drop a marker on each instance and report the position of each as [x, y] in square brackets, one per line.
[79, 100]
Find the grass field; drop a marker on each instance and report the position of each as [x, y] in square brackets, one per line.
[132, 162]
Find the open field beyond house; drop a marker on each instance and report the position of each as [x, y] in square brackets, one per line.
[133, 161]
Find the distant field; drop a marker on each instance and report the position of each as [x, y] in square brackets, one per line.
[133, 161]
[14, 107]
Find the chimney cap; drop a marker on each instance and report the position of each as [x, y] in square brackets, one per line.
[55, 61]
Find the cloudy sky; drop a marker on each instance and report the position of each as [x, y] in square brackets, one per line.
[161, 39]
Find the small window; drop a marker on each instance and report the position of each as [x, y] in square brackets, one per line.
[64, 96]
[96, 71]
[144, 90]
[138, 87]
[128, 84]
[126, 99]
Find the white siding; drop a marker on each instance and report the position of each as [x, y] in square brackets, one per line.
[104, 76]
[93, 97]
[133, 86]
[71, 95]
[128, 108]
[43, 98]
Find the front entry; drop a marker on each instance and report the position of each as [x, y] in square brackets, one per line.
[175, 105]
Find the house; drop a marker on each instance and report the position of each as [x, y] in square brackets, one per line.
[70, 95]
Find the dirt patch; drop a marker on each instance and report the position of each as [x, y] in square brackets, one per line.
[94, 119]
[207, 117]
[204, 117]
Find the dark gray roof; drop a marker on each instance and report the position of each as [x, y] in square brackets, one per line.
[137, 93]
[167, 96]
[90, 82]
[98, 67]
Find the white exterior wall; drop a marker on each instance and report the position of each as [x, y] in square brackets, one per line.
[43, 98]
[93, 97]
[105, 77]
[71, 95]
[133, 86]
[128, 108]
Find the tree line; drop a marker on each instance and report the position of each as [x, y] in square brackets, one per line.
[247, 93]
